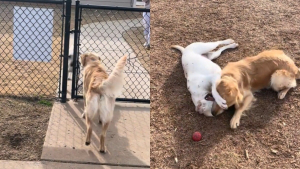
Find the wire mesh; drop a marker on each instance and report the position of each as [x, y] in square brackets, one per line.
[30, 48]
[112, 34]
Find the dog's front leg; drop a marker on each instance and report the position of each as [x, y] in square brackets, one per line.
[235, 120]
[218, 99]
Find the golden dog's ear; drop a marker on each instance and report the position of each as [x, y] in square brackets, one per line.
[83, 59]
[233, 91]
[239, 98]
[221, 83]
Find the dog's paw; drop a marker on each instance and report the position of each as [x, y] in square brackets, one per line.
[281, 95]
[233, 45]
[83, 115]
[228, 41]
[103, 150]
[234, 122]
[221, 102]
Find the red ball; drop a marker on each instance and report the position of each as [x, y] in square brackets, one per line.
[197, 136]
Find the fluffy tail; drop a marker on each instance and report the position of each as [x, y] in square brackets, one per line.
[178, 47]
[113, 85]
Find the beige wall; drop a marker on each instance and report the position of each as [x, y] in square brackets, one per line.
[120, 3]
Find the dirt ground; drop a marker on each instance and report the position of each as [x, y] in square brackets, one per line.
[269, 132]
[23, 126]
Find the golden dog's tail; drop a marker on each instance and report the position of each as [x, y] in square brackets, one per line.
[178, 47]
[113, 85]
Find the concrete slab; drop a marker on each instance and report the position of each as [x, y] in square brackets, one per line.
[128, 136]
[51, 165]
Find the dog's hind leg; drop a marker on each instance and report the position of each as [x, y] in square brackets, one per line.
[84, 105]
[102, 137]
[90, 111]
[282, 81]
[283, 93]
[216, 54]
[89, 131]
[202, 47]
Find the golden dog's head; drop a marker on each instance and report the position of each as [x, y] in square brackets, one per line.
[88, 57]
[228, 89]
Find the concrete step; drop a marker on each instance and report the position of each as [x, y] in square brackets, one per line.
[127, 140]
[6, 164]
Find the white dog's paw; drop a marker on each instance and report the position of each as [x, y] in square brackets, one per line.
[228, 41]
[233, 45]
[221, 102]
[234, 122]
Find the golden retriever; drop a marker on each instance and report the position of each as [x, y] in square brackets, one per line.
[270, 68]
[100, 91]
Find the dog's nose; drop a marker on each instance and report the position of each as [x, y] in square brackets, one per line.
[71, 64]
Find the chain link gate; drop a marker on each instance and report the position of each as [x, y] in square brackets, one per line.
[32, 34]
[112, 32]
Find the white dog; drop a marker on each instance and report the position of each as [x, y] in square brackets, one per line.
[202, 74]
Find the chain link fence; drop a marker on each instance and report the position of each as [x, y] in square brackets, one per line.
[31, 48]
[31, 37]
[113, 32]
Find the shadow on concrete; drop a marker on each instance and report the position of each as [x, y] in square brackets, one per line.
[127, 140]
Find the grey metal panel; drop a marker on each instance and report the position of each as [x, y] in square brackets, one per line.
[121, 3]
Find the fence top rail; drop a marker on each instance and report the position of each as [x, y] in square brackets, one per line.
[115, 8]
[38, 1]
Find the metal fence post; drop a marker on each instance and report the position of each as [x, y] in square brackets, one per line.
[76, 48]
[66, 51]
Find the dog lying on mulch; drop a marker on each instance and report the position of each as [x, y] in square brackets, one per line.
[201, 73]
